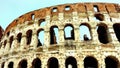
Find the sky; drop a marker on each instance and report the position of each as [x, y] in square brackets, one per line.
[11, 9]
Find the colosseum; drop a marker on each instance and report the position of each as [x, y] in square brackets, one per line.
[50, 37]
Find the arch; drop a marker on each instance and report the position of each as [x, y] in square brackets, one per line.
[32, 16]
[23, 63]
[40, 34]
[54, 35]
[19, 36]
[11, 40]
[99, 17]
[103, 35]
[85, 32]
[69, 32]
[111, 62]
[90, 62]
[10, 65]
[3, 64]
[42, 22]
[71, 62]
[55, 9]
[29, 36]
[67, 8]
[96, 9]
[36, 63]
[116, 28]
[53, 63]
[5, 42]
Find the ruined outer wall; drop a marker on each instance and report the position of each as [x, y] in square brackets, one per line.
[76, 15]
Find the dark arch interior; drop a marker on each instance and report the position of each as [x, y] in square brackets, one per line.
[53, 63]
[71, 61]
[19, 36]
[90, 62]
[102, 34]
[117, 31]
[36, 63]
[53, 38]
[10, 65]
[29, 36]
[111, 62]
[11, 40]
[23, 64]
[2, 66]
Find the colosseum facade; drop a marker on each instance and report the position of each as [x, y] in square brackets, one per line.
[38, 39]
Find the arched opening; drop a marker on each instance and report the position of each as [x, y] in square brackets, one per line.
[53, 63]
[29, 36]
[85, 33]
[69, 32]
[42, 22]
[103, 35]
[111, 62]
[90, 62]
[3, 64]
[11, 40]
[54, 35]
[36, 63]
[23, 64]
[40, 37]
[5, 42]
[67, 8]
[99, 17]
[95, 7]
[116, 28]
[19, 36]
[32, 16]
[54, 9]
[70, 62]
[10, 65]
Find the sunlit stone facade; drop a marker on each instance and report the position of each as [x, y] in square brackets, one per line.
[38, 39]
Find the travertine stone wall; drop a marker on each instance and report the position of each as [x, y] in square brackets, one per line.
[15, 49]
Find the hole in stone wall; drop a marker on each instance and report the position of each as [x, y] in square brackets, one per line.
[29, 36]
[67, 8]
[19, 36]
[99, 17]
[42, 22]
[69, 32]
[23, 64]
[54, 9]
[85, 33]
[95, 7]
[10, 65]
[111, 62]
[36, 63]
[3, 64]
[53, 63]
[90, 62]
[40, 38]
[54, 35]
[5, 42]
[11, 40]
[33, 16]
[116, 28]
[71, 62]
[102, 31]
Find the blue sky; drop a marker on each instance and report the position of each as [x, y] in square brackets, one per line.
[11, 9]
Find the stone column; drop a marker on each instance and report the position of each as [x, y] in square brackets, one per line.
[34, 40]
[14, 44]
[23, 43]
[7, 47]
[112, 36]
[94, 35]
